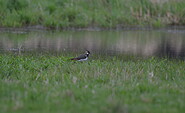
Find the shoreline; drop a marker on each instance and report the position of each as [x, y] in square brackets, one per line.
[95, 28]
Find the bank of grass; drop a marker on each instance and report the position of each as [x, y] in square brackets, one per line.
[91, 13]
[53, 84]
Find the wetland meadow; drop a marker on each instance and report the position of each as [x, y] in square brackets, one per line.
[136, 65]
[136, 72]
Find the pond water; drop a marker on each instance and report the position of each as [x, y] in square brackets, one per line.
[145, 43]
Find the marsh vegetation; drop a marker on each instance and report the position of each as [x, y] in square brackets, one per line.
[91, 13]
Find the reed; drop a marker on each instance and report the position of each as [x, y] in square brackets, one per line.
[91, 13]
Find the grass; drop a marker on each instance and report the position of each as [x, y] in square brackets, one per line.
[53, 84]
[59, 14]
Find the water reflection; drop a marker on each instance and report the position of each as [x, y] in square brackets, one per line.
[143, 43]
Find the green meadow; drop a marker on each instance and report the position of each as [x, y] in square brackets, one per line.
[54, 84]
[62, 14]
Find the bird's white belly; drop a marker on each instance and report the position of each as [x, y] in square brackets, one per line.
[83, 59]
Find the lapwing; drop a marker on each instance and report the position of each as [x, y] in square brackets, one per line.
[82, 57]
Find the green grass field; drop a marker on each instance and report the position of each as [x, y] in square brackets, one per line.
[53, 84]
[61, 14]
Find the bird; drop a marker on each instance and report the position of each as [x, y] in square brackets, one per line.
[82, 57]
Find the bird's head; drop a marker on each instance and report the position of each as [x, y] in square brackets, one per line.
[87, 52]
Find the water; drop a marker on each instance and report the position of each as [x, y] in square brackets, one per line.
[145, 43]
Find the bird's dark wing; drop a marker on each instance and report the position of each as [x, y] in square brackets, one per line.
[79, 57]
